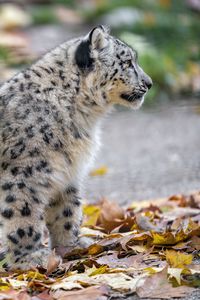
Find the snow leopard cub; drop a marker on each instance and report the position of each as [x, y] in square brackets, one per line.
[49, 117]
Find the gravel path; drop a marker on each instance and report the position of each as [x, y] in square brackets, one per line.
[149, 153]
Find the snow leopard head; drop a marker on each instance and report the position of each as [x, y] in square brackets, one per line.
[109, 65]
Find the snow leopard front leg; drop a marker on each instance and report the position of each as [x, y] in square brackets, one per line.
[22, 211]
[64, 218]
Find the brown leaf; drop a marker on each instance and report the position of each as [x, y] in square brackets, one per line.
[181, 212]
[14, 295]
[192, 200]
[192, 279]
[95, 249]
[114, 261]
[157, 286]
[109, 260]
[111, 239]
[132, 238]
[90, 293]
[144, 223]
[152, 207]
[191, 228]
[182, 246]
[111, 216]
[43, 296]
[176, 224]
[111, 210]
[53, 262]
[195, 242]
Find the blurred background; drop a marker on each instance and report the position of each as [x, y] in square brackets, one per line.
[150, 153]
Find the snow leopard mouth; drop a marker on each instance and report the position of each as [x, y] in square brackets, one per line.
[134, 96]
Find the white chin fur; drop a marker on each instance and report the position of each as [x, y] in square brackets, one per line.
[136, 104]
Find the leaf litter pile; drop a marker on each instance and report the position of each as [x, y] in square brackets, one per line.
[151, 249]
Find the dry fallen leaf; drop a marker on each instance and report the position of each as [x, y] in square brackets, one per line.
[95, 249]
[181, 212]
[91, 215]
[99, 172]
[144, 223]
[195, 242]
[117, 281]
[176, 273]
[192, 279]
[157, 286]
[43, 296]
[90, 293]
[177, 259]
[92, 233]
[168, 238]
[15, 295]
[53, 262]
[111, 216]
[133, 261]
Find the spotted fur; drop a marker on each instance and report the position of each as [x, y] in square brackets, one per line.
[49, 123]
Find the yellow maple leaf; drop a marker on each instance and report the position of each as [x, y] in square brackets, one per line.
[176, 259]
[4, 286]
[168, 238]
[100, 270]
[99, 172]
[31, 275]
[92, 213]
[165, 238]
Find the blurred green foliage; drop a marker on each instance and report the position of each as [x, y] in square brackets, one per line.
[43, 15]
[172, 29]
[4, 54]
[65, 2]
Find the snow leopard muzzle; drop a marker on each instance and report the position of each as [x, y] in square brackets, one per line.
[134, 96]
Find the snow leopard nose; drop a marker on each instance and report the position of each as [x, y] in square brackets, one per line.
[147, 81]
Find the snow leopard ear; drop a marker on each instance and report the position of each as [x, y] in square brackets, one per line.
[95, 40]
[98, 37]
[83, 57]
